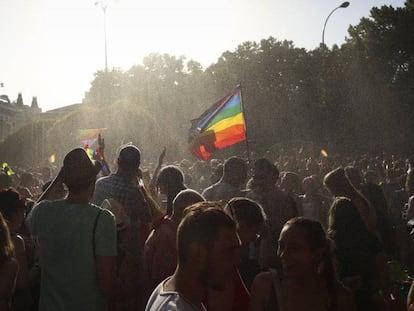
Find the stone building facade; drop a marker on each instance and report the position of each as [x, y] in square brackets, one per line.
[14, 115]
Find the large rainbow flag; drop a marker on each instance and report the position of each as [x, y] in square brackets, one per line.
[222, 125]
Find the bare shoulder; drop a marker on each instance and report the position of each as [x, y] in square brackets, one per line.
[346, 301]
[263, 278]
[260, 290]
[11, 265]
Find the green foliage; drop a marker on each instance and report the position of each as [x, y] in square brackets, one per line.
[353, 98]
[398, 275]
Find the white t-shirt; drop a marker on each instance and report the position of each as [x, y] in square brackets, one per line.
[221, 191]
[161, 300]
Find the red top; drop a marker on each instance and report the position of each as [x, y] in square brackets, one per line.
[240, 294]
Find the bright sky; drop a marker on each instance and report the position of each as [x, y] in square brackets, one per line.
[52, 48]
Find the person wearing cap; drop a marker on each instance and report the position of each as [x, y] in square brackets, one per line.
[124, 187]
[77, 240]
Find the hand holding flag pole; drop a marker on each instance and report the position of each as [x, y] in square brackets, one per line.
[101, 153]
[249, 161]
[156, 171]
[101, 146]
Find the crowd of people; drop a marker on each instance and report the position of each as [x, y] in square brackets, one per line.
[278, 233]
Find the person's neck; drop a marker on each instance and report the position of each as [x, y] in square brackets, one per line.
[230, 181]
[78, 198]
[188, 286]
[127, 173]
[311, 280]
[288, 191]
[176, 218]
[268, 187]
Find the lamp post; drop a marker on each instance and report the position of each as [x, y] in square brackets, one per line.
[343, 5]
[104, 5]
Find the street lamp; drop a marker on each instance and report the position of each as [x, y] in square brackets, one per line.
[343, 5]
[104, 5]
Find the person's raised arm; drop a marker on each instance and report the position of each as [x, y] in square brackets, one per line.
[101, 156]
[54, 187]
[410, 298]
[157, 169]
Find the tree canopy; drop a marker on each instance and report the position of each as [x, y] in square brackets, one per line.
[354, 98]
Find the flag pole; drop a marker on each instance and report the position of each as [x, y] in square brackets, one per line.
[245, 124]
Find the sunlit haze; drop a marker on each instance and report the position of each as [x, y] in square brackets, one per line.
[52, 48]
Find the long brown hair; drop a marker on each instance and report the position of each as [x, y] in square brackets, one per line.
[318, 239]
[340, 186]
[6, 245]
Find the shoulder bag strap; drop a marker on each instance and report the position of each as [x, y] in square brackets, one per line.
[93, 232]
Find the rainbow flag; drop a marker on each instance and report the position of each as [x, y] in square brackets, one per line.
[222, 125]
[88, 134]
[52, 158]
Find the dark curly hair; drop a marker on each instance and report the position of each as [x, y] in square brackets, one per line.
[172, 179]
[10, 202]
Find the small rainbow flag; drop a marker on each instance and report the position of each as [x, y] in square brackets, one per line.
[89, 142]
[90, 152]
[52, 158]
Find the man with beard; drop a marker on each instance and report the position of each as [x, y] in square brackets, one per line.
[208, 255]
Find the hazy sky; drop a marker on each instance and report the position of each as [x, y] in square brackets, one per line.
[52, 48]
